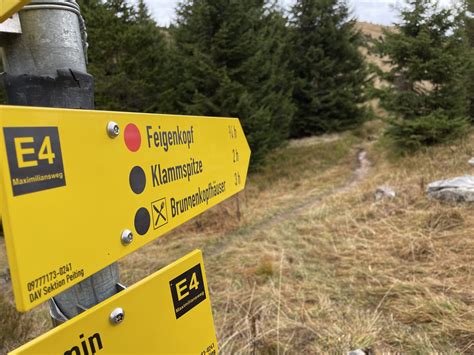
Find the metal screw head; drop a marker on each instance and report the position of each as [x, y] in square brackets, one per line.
[117, 316]
[127, 237]
[113, 129]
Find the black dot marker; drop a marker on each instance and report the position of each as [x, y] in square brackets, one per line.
[142, 221]
[137, 180]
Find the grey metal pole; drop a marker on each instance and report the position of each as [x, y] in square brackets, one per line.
[46, 66]
[51, 40]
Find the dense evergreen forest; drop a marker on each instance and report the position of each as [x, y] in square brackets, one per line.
[283, 74]
[286, 73]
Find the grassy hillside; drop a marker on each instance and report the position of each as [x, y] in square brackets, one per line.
[373, 31]
[305, 260]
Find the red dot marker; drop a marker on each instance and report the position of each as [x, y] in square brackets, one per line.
[133, 139]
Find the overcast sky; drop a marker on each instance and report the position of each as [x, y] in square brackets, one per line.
[375, 11]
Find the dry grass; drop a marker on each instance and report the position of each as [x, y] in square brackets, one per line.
[16, 328]
[13, 325]
[296, 264]
[375, 32]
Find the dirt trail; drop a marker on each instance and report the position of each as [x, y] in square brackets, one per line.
[363, 166]
[218, 246]
[309, 141]
[360, 173]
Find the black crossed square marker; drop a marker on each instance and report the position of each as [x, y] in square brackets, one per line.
[159, 212]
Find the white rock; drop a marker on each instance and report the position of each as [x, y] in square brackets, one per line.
[384, 191]
[471, 162]
[459, 189]
[357, 352]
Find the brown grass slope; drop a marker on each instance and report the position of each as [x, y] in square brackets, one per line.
[373, 31]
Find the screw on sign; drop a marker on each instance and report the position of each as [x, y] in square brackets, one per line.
[113, 129]
[127, 237]
[117, 316]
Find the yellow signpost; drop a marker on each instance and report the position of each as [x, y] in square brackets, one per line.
[169, 312]
[9, 7]
[82, 189]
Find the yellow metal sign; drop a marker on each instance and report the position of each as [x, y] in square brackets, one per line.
[76, 197]
[167, 313]
[9, 7]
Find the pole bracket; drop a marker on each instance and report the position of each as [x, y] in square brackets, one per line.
[57, 315]
[10, 27]
[69, 89]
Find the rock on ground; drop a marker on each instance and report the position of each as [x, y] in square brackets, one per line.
[384, 191]
[358, 352]
[459, 189]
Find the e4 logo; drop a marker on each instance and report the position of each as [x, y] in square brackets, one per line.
[183, 285]
[34, 158]
[187, 290]
[45, 151]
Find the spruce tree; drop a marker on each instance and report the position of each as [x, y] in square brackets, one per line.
[429, 59]
[330, 72]
[128, 55]
[470, 34]
[230, 61]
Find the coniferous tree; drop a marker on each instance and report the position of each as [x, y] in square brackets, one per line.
[230, 60]
[330, 72]
[128, 55]
[429, 59]
[470, 34]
